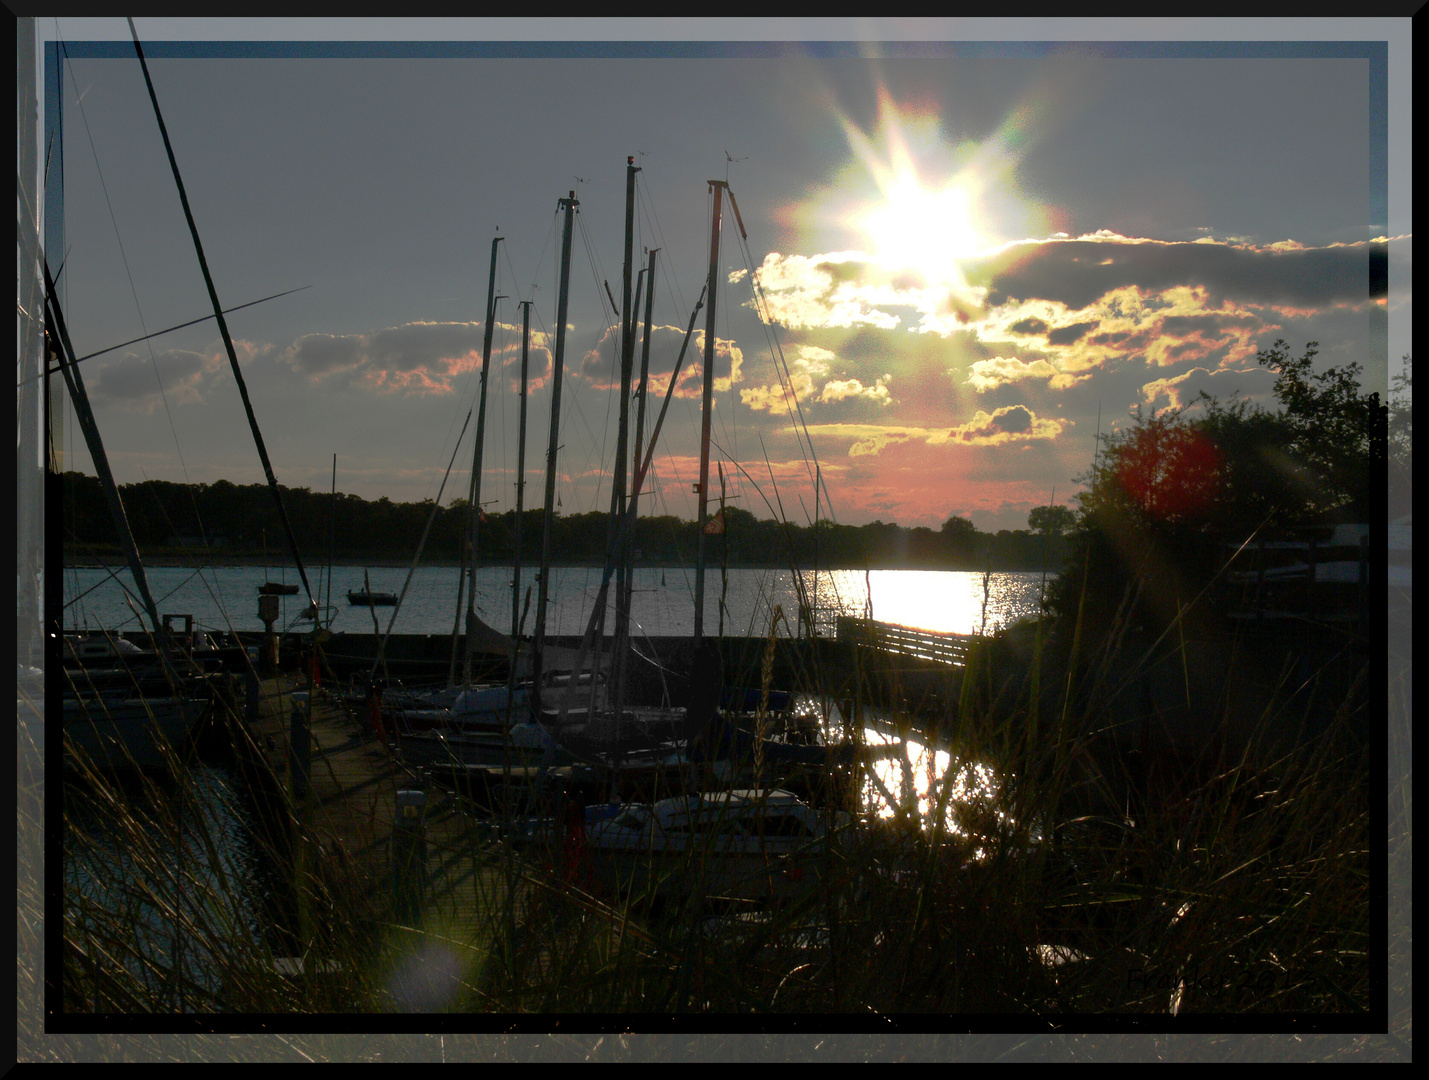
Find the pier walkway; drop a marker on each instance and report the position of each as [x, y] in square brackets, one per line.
[350, 808]
[454, 890]
[940, 648]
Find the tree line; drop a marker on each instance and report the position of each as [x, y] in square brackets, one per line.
[223, 519]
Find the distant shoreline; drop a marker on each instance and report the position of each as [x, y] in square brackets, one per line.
[178, 560]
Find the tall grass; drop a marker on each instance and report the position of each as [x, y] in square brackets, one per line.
[1083, 879]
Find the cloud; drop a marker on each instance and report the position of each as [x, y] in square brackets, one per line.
[600, 364]
[1012, 423]
[840, 289]
[728, 364]
[1086, 304]
[429, 348]
[538, 364]
[1065, 335]
[1178, 391]
[812, 363]
[987, 375]
[1029, 325]
[1171, 389]
[417, 357]
[843, 389]
[319, 355]
[1130, 325]
[1015, 423]
[869, 439]
[133, 382]
[1077, 272]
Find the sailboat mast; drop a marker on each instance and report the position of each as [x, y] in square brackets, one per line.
[717, 186]
[622, 443]
[60, 341]
[641, 394]
[569, 205]
[223, 327]
[520, 474]
[473, 512]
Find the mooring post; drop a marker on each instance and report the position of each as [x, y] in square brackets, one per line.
[299, 745]
[268, 611]
[409, 855]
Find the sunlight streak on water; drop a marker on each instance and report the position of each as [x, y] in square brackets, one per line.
[942, 600]
[911, 784]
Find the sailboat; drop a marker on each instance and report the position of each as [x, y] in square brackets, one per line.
[688, 740]
[471, 723]
[613, 734]
[129, 714]
[123, 707]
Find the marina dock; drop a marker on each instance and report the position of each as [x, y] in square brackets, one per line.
[408, 868]
[360, 803]
[383, 843]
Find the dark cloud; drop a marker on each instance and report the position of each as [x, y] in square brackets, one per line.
[1183, 325]
[1123, 339]
[1009, 424]
[850, 270]
[1078, 272]
[1028, 326]
[132, 383]
[1065, 335]
[1014, 420]
[322, 354]
[601, 363]
[412, 347]
[538, 366]
[423, 346]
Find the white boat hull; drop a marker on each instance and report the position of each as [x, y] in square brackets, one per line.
[731, 845]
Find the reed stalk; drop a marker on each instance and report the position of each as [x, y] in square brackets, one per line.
[1052, 871]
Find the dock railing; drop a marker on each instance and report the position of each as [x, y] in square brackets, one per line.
[1317, 579]
[940, 648]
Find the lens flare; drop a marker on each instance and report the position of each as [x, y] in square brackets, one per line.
[925, 231]
[921, 202]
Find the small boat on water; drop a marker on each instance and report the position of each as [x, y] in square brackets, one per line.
[371, 599]
[751, 844]
[274, 588]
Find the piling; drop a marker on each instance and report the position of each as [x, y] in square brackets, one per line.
[299, 745]
[409, 855]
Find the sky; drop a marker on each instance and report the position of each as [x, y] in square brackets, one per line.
[963, 258]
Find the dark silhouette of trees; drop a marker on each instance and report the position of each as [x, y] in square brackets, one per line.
[960, 538]
[227, 519]
[1401, 432]
[1169, 493]
[1054, 520]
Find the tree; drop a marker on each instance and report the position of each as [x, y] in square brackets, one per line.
[1330, 425]
[1167, 493]
[1051, 519]
[1401, 431]
[959, 536]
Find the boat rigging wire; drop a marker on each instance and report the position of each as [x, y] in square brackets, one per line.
[181, 326]
[134, 292]
[222, 323]
[761, 307]
[417, 558]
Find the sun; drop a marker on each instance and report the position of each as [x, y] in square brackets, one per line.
[927, 214]
[928, 231]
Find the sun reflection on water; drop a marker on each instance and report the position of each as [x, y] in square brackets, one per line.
[962, 602]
